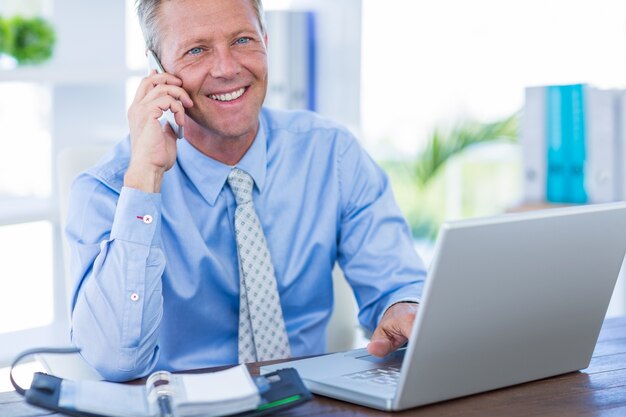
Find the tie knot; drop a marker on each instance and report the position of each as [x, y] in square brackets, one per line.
[241, 183]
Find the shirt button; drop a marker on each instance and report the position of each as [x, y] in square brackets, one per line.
[147, 219]
[134, 296]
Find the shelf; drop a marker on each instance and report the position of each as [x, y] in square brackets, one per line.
[24, 210]
[61, 76]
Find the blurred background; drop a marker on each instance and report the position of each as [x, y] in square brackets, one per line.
[435, 91]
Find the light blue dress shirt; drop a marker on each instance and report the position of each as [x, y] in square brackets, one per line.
[156, 275]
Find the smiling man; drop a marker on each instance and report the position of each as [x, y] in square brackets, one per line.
[218, 248]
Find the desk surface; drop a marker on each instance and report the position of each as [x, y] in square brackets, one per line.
[599, 390]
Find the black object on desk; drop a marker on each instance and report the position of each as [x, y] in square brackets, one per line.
[285, 390]
[278, 390]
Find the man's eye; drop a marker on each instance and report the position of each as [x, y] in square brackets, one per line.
[242, 41]
[194, 51]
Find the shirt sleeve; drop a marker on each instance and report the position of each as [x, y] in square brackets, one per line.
[116, 263]
[376, 251]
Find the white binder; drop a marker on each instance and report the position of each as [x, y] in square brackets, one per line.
[533, 139]
[600, 171]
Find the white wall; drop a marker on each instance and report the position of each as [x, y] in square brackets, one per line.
[339, 56]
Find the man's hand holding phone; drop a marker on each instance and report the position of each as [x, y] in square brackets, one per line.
[153, 146]
[155, 64]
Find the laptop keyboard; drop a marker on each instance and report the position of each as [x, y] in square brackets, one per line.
[388, 375]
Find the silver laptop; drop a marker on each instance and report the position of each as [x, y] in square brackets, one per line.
[508, 299]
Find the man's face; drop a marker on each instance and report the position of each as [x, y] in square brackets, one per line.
[216, 47]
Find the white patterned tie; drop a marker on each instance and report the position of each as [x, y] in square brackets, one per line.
[262, 333]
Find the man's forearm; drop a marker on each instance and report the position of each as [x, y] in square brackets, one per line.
[118, 307]
[117, 314]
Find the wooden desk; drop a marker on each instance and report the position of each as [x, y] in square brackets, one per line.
[599, 390]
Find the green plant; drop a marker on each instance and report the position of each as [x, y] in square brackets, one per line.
[6, 36]
[421, 206]
[444, 145]
[421, 192]
[33, 40]
[28, 40]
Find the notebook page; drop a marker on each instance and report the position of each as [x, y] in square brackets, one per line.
[223, 386]
[107, 398]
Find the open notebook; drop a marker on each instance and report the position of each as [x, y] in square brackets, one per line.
[207, 394]
[210, 394]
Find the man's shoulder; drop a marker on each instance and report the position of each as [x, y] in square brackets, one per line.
[299, 121]
[110, 169]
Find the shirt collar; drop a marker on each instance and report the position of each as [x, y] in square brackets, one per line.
[209, 175]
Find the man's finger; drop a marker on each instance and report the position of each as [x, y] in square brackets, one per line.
[379, 347]
[394, 329]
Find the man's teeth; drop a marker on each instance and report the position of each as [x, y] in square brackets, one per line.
[228, 96]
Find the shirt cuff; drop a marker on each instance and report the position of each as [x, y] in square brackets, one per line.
[407, 300]
[138, 217]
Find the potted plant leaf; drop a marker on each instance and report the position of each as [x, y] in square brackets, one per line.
[442, 146]
[27, 40]
[6, 45]
[418, 185]
[33, 40]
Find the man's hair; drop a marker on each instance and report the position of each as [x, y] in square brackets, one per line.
[148, 14]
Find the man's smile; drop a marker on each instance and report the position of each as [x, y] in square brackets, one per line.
[233, 95]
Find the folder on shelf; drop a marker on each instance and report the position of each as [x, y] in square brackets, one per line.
[576, 143]
[556, 174]
[602, 154]
[533, 138]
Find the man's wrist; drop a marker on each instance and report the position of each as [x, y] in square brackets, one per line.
[399, 302]
[146, 180]
[402, 301]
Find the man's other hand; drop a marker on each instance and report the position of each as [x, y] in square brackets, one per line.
[393, 330]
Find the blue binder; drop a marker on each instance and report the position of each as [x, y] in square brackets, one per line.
[556, 180]
[577, 148]
[565, 140]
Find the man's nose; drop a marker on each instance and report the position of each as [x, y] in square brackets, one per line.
[225, 64]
